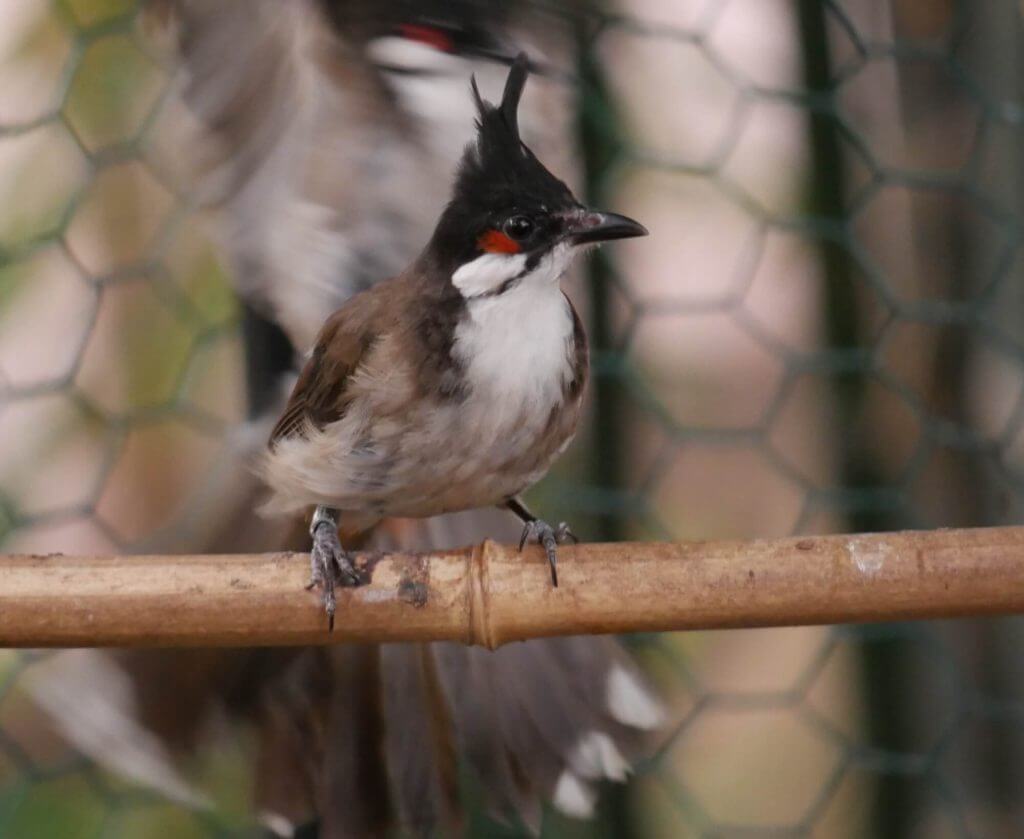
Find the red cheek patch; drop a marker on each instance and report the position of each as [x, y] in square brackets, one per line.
[494, 241]
[426, 35]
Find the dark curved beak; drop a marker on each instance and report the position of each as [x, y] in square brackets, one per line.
[590, 226]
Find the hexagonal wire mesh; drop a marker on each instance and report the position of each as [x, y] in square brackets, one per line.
[823, 334]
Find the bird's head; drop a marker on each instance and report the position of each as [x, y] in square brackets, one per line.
[509, 218]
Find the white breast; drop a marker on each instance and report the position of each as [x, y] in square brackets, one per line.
[516, 346]
[516, 351]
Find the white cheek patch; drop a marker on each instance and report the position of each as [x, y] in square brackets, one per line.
[408, 55]
[487, 272]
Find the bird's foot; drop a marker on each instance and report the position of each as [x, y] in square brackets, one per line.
[330, 565]
[549, 538]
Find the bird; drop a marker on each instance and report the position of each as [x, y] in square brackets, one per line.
[322, 134]
[325, 131]
[458, 382]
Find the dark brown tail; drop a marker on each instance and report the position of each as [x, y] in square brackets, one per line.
[367, 737]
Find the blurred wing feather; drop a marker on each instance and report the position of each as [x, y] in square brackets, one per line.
[319, 395]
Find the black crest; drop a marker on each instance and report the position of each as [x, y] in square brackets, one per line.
[497, 173]
[498, 125]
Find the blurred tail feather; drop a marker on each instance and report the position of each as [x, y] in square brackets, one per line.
[366, 736]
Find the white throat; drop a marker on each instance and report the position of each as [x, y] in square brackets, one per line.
[516, 343]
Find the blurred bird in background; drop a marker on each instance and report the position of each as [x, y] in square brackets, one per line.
[324, 136]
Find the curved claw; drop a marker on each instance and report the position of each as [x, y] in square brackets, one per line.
[330, 566]
[563, 534]
[548, 537]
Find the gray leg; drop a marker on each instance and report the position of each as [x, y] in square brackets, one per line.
[330, 565]
[546, 535]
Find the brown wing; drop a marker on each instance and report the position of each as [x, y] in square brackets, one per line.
[319, 394]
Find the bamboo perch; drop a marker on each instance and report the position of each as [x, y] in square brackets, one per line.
[491, 594]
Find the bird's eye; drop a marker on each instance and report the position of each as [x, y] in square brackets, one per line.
[518, 227]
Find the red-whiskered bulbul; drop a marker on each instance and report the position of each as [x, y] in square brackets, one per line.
[328, 132]
[457, 383]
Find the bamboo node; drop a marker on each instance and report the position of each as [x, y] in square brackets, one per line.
[479, 613]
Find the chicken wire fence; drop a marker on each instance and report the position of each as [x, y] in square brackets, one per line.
[823, 333]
